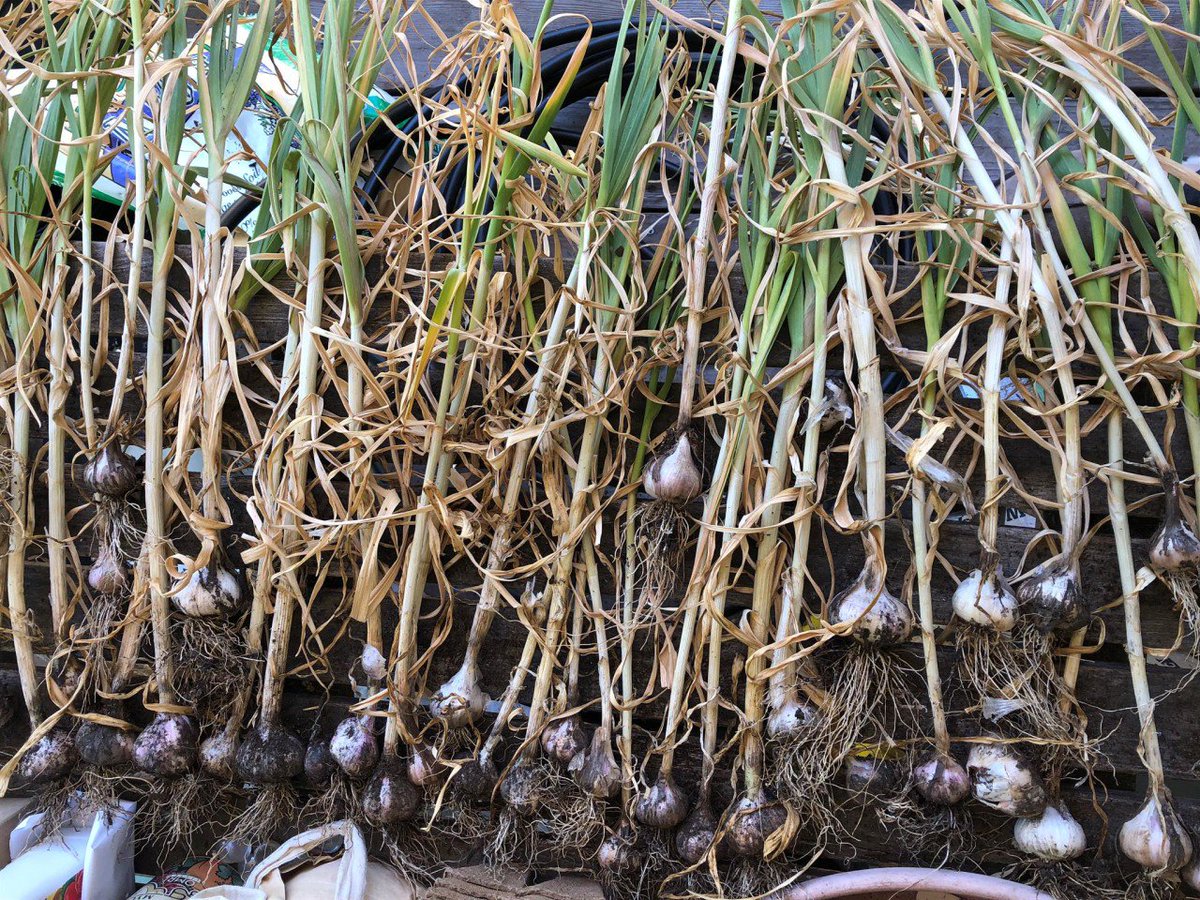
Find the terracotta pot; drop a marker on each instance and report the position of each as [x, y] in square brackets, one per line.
[901, 883]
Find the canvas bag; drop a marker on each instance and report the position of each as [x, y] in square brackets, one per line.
[349, 877]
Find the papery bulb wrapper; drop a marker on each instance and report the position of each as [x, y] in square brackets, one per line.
[1004, 780]
[1155, 838]
[111, 472]
[987, 601]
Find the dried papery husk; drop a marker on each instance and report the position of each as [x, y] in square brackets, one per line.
[563, 740]
[596, 769]
[319, 764]
[619, 855]
[355, 745]
[108, 573]
[752, 822]
[1003, 779]
[934, 472]
[875, 617]
[672, 475]
[105, 746]
[664, 805]
[53, 757]
[167, 747]
[1054, 836]
[270, 754]
[374, 663]
[872, 775]
[460, 701]
[1051, 596]
[1155, 837]
[218, 755]
[940, 780]
[111, 472]
[389, 798]
[835, 410]
[695, 836]
[986, 600]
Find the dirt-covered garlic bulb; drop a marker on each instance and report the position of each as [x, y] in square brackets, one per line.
[790, 716]
[672, 475]
[1054, 836]
[694, 837]
[751, 823]
[102, 745]
[167, 747]
[51, 758]
[1004, 780]
[618, 853]
[218, 755]
[319, 764]
[111, 472]
[875, 617]
[940, 780]
[390, 798]
[270, 754]
[1155, 838]
[1052, 597]
[521, 788]
[663, 806]
[871, 775]
[563, 740]
[1174, 546]
[986, 600]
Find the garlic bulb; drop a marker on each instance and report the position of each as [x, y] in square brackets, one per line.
[521, 788]
[694, 838]
[1191, 875]
[354, 746]
[389, 798]
[270, 754]
[941, 780]
[1052, 597]
[672, 475]
[876, 618]
[107, 573]
[49, 759]
[211, 590]
[790, 717]
[986, 600]
[563, 740]
[424, 768]
[460, 701]
[111, 472]
[752, 821]
[1054, 835]
[1174, 545]
[663, 806]
[167, 746]
[1155, 838]
[218, 755]
[373, 663]
[319, 764]
[596, 770]
[1004, 780]
[618, 853]
[871, 774]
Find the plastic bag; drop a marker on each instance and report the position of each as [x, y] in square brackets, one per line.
[91, 860]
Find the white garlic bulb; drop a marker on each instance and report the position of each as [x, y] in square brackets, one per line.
[1155, 838]
[210, 591]
[1004, 780]
[876, 617]
[986, 600]
[460, 701]
[1054, 835]
[373, 663]
[672, 474]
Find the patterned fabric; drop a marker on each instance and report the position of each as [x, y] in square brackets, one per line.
[195, 876]
[72, 890]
